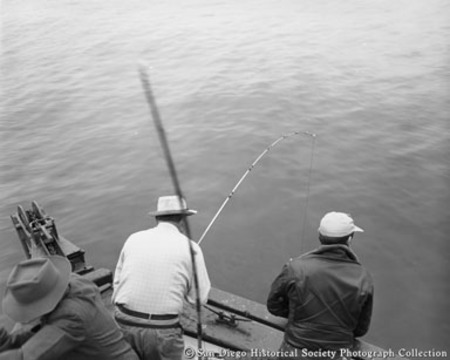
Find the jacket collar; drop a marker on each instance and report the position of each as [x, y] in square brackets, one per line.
[335, 251]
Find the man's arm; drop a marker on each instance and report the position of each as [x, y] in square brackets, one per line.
[203, 278]
[364, 319]
[278, 300]
[6, 340]
[117, 274]
[16, 338]
[58, 337]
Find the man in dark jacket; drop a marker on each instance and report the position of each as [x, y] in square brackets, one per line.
[71, 320]
[326, 294]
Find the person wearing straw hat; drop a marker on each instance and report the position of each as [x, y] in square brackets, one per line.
[326, 294]
[154, 278]
[69, 318]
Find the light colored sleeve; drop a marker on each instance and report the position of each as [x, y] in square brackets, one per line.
[202, 276]
[117, 274]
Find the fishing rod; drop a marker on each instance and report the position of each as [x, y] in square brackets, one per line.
[173, 174]
[250, 168]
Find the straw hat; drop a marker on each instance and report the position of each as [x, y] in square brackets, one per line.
[35, 287]
[337, 224]
[172, 205]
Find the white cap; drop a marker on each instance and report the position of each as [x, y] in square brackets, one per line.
[337, 224]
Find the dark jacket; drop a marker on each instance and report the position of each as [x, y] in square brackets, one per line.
[327, 297]
[79, 328]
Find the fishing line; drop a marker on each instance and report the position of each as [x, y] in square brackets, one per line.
[308, 190]
[173, 174]
[250, 168]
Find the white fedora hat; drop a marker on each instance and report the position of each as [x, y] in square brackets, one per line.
[172, 205]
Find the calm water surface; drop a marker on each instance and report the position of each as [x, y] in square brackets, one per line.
[371, 79]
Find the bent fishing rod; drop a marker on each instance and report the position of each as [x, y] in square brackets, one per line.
[173, 174]
[250, 168]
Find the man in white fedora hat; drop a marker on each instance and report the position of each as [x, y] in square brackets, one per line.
[153, 279]
[326, 294]
[71, 321]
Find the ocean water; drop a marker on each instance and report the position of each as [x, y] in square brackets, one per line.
[370, 78]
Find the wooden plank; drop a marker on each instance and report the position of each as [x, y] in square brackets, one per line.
[245, 307]
[243, 336]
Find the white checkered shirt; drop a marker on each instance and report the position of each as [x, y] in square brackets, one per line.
[154, 272]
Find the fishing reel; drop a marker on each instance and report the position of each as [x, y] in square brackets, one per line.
[227, 318]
